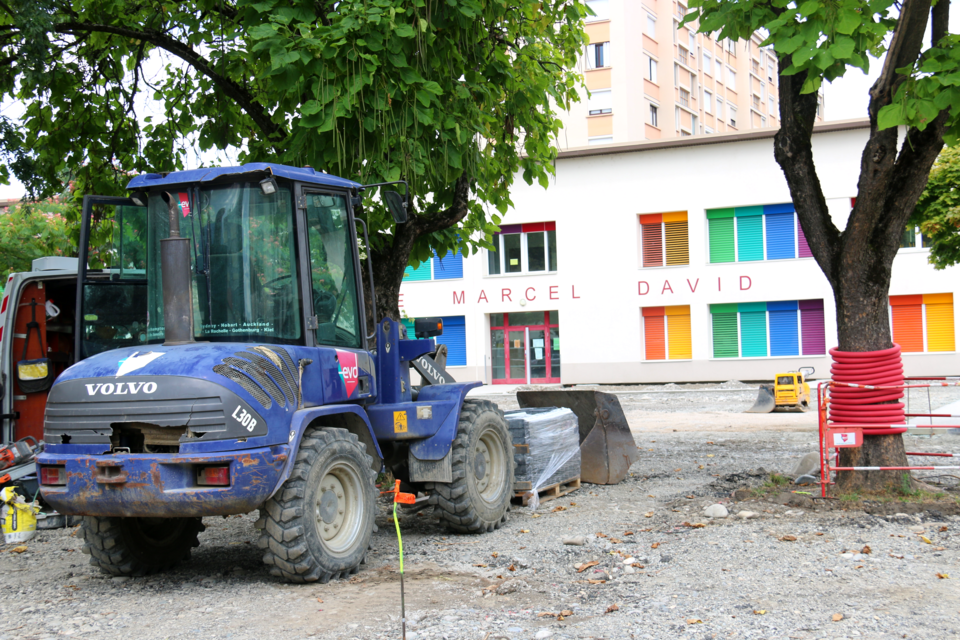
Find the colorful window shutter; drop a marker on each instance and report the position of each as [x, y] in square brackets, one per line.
[940, 331]
[781, 241]
[753, 329]
[722, 248]
[420, 273]
[802, 247]
[408, 323]
[812, 328]
[749, 233]
[449, 266]
[652, 236]
[455, 337]
[725, 343]
[907, 315]
[679, 342]
[677, 238]
[653, 333]
[784, 330]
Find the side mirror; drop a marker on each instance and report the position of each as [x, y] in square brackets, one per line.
[398, 208]
[428, 327]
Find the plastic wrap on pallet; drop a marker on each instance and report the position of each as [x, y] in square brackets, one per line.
[552, 437]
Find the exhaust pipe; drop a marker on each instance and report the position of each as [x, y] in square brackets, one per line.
[177, 282]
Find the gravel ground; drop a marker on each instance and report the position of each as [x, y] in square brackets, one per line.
[656, 575]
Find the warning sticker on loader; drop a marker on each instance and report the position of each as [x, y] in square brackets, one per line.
[399, 421]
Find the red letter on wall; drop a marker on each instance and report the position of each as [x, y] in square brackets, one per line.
[749, 283]
[400, 301]
[526, 294]
[458, 299]
[483, 297]
[666, 286]
[693, 287]
[505, 295]
[573, 292]
[643, 288]
[554, 294]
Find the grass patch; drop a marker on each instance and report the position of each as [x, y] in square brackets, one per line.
[776, 480]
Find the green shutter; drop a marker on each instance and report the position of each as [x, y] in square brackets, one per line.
[420, 273]
[749, 238]
[408, 323]
[713, 214]
[753, 334]
[721, 240]
[730, 307]
[725, 335]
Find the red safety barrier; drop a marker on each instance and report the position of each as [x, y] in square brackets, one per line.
[856, 405]
[838, 429]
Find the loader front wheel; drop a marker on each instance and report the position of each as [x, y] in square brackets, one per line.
[318, 525]
[478, 498]
[139, 546]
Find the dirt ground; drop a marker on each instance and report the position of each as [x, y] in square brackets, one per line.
[663, 568]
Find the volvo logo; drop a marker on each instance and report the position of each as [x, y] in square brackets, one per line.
[121, 388]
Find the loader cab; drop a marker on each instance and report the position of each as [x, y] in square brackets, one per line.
[791, 388]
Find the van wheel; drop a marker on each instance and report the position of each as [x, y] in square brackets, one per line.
[318, 525]
[138, 546]
[479, 496]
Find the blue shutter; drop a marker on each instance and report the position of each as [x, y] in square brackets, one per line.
[448, 267]
[455, 337]
[784, 333]
[781, 242]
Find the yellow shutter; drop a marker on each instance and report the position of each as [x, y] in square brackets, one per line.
[678, 246]
[678, 332]
[940, 332]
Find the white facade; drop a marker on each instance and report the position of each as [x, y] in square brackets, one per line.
[599, 287]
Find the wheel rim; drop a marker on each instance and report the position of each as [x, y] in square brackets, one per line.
[489, 466]
[339, 508]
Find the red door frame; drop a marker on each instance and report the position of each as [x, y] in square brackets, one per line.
[548, 349]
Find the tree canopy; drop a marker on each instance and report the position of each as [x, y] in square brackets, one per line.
[454, 96]
[938, 211]
[33, 230]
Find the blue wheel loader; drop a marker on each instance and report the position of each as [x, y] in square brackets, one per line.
[242, 374]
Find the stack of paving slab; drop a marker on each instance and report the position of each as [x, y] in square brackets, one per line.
[547, 447]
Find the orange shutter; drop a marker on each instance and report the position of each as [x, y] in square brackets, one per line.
[654, 338]
[907, 324]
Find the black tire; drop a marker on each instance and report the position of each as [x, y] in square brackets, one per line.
[302, 535]
[139, 546]
[477, 500]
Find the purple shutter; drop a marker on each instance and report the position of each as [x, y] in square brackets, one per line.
[802, 246]
[811, 328]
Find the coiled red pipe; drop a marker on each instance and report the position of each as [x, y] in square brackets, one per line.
[849, 405]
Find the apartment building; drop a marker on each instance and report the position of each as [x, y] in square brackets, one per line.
[650, 78]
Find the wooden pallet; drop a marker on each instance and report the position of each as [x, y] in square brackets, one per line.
[557, 490]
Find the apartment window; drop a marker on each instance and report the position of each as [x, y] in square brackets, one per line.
[653, 115]
[600, 140]
[773, 106]
[707, 102]
[755, 67]
[651, 26]
[768, 329]
[449, 267]
[676, 118]
[664, 239]
[454, 336]
[719, 109]
[600, 102]
[732, 47]
[707, 64]
[763, 121]
[923, 323]
[681, 11]
[755, 100]
[651, 70]
[676, 74]
[597, 55]
[524, 248]
[684, 98]
[719, 73]
[693, 41]
[694, 123]
[819, 106]
[771, 73]
[682, 55]
[733, 115]
[707, 130]
[745, 234]
[909, 239]
[601, 9]
[763, 92]
[666, 333]
[731, 78]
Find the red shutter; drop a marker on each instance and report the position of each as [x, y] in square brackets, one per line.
[656, 345]
[652, 245]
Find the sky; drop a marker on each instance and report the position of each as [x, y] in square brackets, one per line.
[844, 99]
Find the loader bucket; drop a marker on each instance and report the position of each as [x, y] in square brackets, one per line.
[607, 448]
[765, 401]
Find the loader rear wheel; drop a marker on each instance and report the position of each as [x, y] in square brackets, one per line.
[139, 546]
[478, 498]
[318, 525]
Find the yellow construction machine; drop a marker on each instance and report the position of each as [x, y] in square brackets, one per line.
[789, 392]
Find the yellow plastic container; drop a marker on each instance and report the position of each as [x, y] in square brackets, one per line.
[19, 519]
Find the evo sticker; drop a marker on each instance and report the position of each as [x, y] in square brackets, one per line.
[348, 370]
[399, 421]
[137, 361]
[184, 203]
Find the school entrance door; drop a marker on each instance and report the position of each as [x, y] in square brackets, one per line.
[525, 347]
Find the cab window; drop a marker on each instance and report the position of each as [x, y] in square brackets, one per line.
[785, 380]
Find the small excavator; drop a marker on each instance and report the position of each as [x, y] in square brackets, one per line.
[789, 392]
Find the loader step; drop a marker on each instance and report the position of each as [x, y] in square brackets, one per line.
[523, 491]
